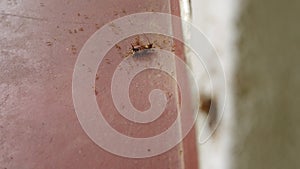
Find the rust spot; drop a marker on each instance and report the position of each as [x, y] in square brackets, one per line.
[118, 47]
[81, 29]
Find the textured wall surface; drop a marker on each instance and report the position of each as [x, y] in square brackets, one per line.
[267, 86]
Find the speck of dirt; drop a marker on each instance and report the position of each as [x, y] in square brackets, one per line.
[73, 49]
[81, 29]
[97, 26]
[78, 14]
[170, 95]
[148, 150]
[96, 92]
[49, 43]
[42, 4]
[118, 47]
[75, 31]
[107, 61]
[57, 27]
[116, 13]
[70, 31]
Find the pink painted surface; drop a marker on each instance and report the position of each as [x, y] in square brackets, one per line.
[39, 44]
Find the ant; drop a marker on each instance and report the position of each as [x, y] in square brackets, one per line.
[138, 48]
[141, 47]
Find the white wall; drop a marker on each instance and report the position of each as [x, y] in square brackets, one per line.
[217, 20]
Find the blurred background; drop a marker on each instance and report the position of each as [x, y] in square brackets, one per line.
[258, 43]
